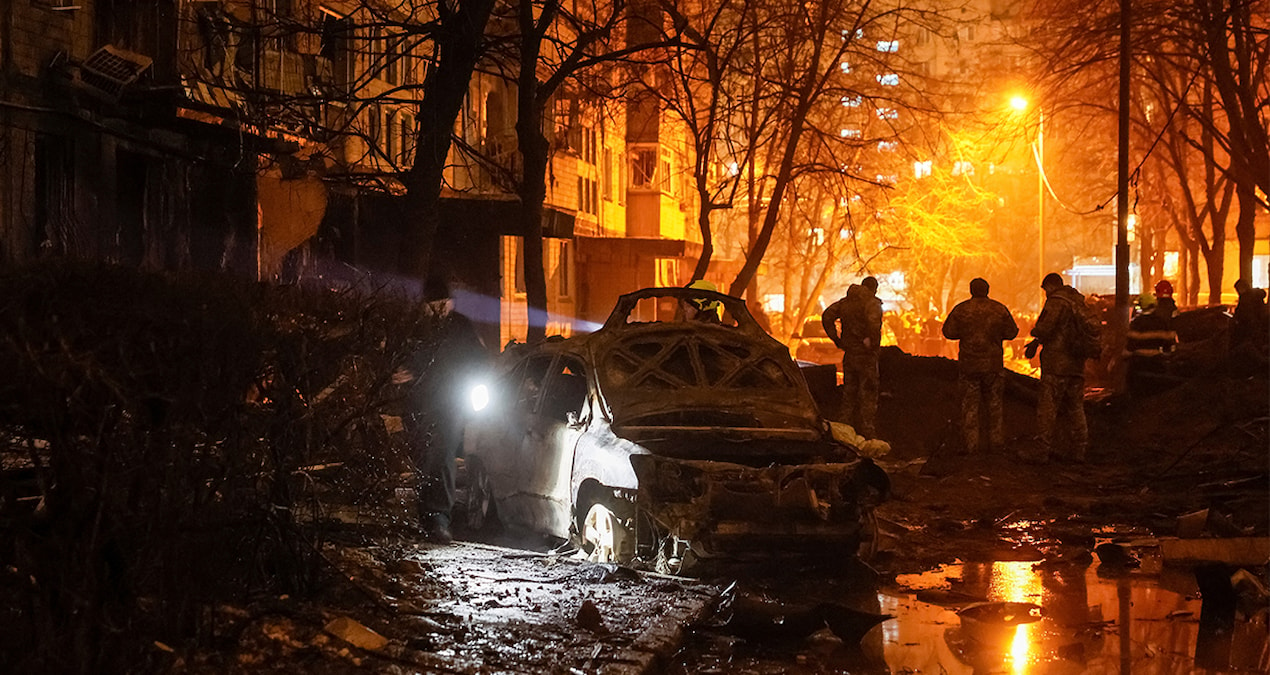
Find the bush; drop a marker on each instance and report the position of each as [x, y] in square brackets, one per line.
[155, 433]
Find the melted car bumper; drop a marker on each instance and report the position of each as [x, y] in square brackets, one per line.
[720, 505]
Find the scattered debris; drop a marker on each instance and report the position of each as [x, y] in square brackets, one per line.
[1115, 555]
[589, 618]
[1232, 551]
[991, 621]
[354, 633]
[759, 618]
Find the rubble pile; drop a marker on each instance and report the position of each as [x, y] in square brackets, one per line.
[920, 407]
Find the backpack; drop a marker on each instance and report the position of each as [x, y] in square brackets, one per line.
[855, 312]
[1086, 331]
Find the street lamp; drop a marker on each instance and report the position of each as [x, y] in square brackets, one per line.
[1020, 104]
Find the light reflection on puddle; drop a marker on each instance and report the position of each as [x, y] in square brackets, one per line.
[1083, 619]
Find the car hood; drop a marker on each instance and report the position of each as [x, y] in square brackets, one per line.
[695, 377]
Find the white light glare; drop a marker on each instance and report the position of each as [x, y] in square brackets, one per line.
[479, 397]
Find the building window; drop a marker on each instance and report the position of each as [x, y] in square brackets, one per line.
[643, 167]
[888, 113]
[889, 46]
[888, 79]
[606, 176]
[852, 101]
[407, 139]
[564, 274]
[850, 133]
[621, 178]
[392, 60]
[374, 116]
[519, 275]
[963, 169]
[391, 142]
[887, 146]
[921, 169]
[588, 195]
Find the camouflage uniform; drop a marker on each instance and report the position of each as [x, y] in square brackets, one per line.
[1062, 403]
[980, 325]
[860, 313]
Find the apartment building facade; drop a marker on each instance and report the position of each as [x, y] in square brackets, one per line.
[267, 138]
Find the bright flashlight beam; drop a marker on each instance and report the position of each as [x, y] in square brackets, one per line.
[479, 397]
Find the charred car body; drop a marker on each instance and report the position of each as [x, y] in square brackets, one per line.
[666, 441]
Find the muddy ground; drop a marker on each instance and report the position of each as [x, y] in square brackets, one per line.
[476, 608]
[1202, 444]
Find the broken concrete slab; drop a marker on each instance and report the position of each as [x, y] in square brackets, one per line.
[1232, 551]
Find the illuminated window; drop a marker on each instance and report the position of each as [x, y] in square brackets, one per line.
[846, 67]
[888, 113]
[889, 46]
[921, 169]
[963, 168]
[888, 79]
[887, 146]
[850, 133]
[852, 101]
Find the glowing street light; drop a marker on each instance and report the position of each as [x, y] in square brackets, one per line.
[1021, 104]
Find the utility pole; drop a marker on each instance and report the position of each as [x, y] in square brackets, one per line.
[1120, 330]
[1040, 200]
[1122, 171]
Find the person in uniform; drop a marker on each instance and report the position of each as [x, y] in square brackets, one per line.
[980, 325]
[1062, 402]
[859, 313]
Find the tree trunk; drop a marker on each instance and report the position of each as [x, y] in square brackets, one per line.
[703, 224]
[535, 152]
[460, 45]
[1245, 228]
[1146, 256]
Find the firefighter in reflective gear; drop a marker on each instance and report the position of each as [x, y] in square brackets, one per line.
[1150, 340]
[980, 325]
[1062, 403]
[859, 313]
[702, 309]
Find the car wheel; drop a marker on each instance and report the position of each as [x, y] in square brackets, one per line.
[605, 536]
[674, 556]
[479, 516]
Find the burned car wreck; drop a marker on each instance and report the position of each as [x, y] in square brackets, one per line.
[663, 440]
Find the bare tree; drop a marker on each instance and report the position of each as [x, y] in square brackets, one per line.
[330, 80]
[1208, 61]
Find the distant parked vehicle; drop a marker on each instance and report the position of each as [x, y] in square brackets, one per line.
[814, 344]
[664, 441]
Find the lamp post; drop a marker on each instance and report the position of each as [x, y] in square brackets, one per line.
[1020, 104]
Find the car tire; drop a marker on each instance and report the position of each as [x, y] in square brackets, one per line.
[674, 557]
[480, 515]
[605, 536]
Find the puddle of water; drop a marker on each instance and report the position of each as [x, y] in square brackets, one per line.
[1147, 621]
